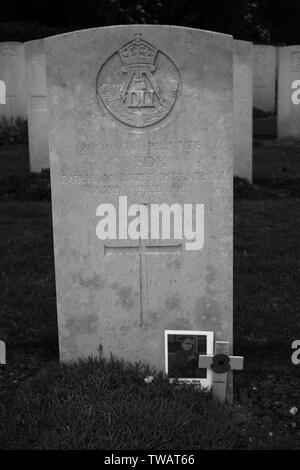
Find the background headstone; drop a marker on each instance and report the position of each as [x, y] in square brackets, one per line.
[37, 105]
[12, 72]
[242, 103]
[179, 149]
[288, 114]
[2, 353]
[2, 92]
[264, 78]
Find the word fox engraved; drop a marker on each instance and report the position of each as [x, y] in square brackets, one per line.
[138, 85]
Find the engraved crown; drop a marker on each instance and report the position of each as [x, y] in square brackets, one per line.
[138, 52]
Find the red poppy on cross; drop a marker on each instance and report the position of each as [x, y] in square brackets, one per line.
[220, 363]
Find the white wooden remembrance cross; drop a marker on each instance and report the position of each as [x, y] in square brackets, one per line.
[2, 353]
[143, 248]
[220, 363]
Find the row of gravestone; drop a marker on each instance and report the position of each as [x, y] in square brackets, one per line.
[22, 68]
[276, 78]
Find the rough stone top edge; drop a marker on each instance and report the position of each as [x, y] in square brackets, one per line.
[33, 41]
[243, 42]
[115, 27]
[12, 42]
[265, 45]
[286, 48]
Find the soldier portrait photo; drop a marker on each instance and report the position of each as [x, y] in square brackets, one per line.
[183, 356]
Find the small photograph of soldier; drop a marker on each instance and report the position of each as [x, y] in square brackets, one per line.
[183, 357]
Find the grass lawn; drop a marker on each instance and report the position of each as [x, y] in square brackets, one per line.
[276, 160]
[264, 126]
[14, 160]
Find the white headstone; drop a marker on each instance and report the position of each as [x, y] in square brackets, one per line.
[37, 105]
[144, 112]
[2, 353]
[264, 78]
[2, 92]
[12, 72]
[242, 102]
[288, 115]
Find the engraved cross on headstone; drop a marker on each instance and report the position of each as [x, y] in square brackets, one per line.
[220, 363]
[143, 248]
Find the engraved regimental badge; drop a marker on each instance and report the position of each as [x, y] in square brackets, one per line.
[138, 84]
